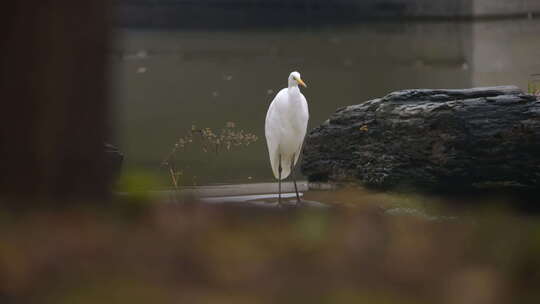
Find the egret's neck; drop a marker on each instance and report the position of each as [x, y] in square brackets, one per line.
[294, 90]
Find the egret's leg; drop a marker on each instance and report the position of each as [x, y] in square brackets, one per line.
[294, 179]
[279, 181]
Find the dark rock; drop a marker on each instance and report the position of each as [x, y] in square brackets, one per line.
[431, 139]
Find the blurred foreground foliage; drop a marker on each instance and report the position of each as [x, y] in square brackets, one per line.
[194, 253]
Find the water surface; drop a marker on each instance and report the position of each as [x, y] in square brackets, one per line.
[166, 81]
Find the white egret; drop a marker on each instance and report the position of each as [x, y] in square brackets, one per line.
[285, 129]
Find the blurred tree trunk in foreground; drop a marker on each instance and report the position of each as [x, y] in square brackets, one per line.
[53, 84]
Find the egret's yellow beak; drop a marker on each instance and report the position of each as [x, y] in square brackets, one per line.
[301, 82]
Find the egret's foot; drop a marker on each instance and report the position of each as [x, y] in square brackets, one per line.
[288, 204]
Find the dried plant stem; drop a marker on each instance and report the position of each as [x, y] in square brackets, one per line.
[173, 177]
[225, 139]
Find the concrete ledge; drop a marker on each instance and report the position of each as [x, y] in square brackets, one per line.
[249, 195]
[242, 189]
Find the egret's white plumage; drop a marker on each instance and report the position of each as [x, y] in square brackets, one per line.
[286, 125]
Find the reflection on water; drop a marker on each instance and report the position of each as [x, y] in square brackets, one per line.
[167, 81]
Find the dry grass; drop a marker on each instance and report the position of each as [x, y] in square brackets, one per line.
[208, 141]
[533, 86]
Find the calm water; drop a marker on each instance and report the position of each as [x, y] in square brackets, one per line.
[167, 81]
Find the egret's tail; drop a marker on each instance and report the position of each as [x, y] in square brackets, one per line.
[285, 169]
[285, 166]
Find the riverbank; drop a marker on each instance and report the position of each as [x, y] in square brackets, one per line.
[233, 14]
